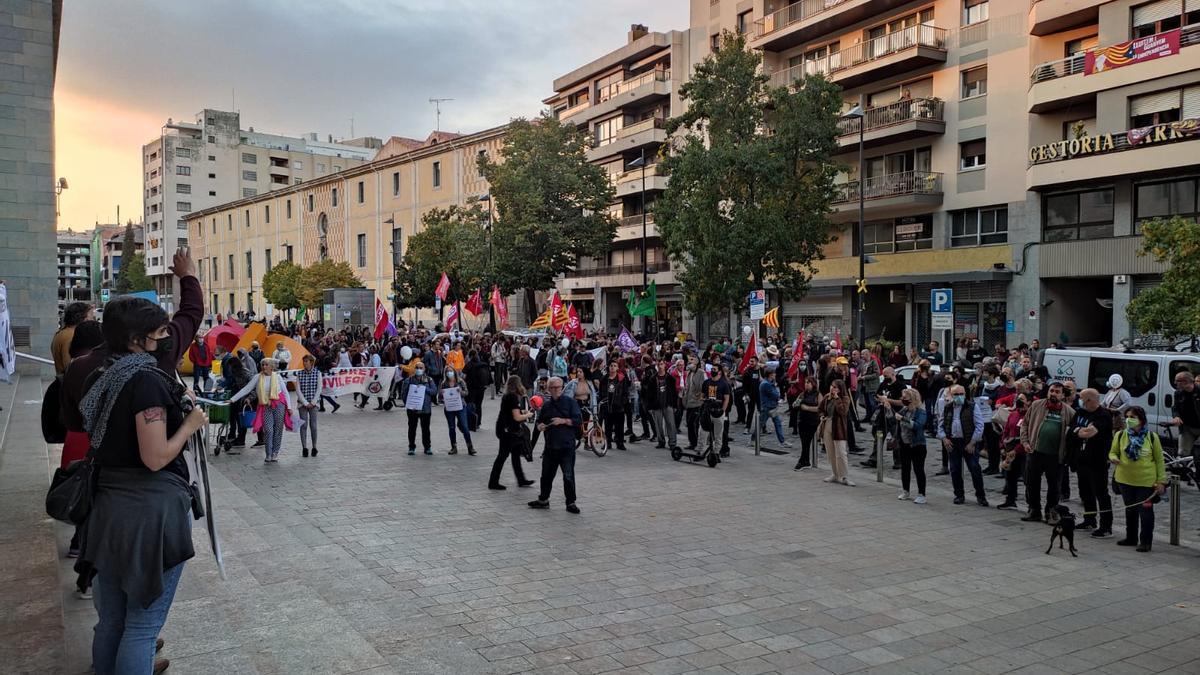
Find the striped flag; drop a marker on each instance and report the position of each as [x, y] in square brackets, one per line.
[771, 318]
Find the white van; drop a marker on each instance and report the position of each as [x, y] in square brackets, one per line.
[1147, 375]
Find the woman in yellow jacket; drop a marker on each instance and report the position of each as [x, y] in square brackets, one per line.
[1141, 474]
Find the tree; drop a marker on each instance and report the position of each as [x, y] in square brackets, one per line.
[552, 204]
[133, 268]
[453, 241]
[744, 207]
[318, 276]
[1171, 309]
[128, 248]
[281, 285]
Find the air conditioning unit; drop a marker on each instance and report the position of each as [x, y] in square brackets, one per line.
[897, 297]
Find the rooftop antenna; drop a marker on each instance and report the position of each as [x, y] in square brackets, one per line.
[351, 127]
[437, 104]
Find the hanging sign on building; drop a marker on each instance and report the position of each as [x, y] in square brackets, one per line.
[1157, 134]
[1131, 52]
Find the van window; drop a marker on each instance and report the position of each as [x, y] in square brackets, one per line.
[1177, 366]
[1139, 376]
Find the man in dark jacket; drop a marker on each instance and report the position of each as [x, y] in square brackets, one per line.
[659, 398]
[525, 368]
[478, 374]
[750, 381]
[558, 419]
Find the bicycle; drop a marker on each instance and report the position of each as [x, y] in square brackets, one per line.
[1183, 466]
[592, 437]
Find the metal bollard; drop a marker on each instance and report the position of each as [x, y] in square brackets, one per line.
[757, 435]
[879, 446]
[1175, 510]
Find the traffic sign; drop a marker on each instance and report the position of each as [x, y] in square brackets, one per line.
[941, 305]
[758, 304]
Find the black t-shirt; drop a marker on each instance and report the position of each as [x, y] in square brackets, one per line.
[143, 391]
[504, 421]
[892, 389]
[717, 389]
[1098, 445]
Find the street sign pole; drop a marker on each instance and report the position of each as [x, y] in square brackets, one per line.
[941, 306]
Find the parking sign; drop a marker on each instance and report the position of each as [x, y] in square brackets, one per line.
[941, 304]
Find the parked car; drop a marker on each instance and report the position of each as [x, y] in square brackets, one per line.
[1147, 375]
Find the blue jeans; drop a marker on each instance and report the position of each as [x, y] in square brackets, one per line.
[958, 455]
[125, 634]
[460, 417]
[773, 415]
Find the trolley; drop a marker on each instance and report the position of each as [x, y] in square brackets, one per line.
[219, 414]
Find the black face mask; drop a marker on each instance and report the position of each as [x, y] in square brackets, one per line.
[162, 346]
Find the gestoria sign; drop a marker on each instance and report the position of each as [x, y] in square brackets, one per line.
[1131, 52]
[1105, 143]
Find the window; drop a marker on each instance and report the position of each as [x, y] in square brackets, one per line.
[212, 158]
[714, 42]
[878, 237]
[310, 203]
[230, 266]
[337, 167]
[1163, 106]
[267, 260]
[266, 213]
[212, 193]
[183, 188]
[216, 271]
[249, 192]
[212, 175]
[250, 175]
[973, 154]
[297, 164]
[902, 234]
[287, 251]
[181, 225]
[288, 208]
[1164, 200]
[229, 221]
[1156, 17]
[183, 206]
[183, 153]
[214, 225]
[211, 139]
[320, 167]
[249, 265]
[1138, 376]
[183, 170]
[231, 310]
[974, 11]
[249, 158]
[480, 158]
[1080, 45]
[333, 198]
[395, 183]
[974, 82]
[973, 227]
[607, 130]
[1078, 215]
[362, 250]
[437, 174]
[361, 192]
[743, 23]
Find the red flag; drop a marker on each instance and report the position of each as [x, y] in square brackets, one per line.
[381, 319]
[751, 351]
[501, 306]
[475, 303]
[837, 338]
[574, 327]
[452, 315]
[443, 287]
[797, 356]
[556, 309]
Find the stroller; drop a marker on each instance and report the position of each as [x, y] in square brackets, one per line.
[219, 414]
[710, 423]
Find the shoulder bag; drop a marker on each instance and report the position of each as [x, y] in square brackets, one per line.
[72, 490]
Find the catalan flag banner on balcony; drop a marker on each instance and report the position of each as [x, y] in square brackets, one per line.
[771, 318]
[1131, 52]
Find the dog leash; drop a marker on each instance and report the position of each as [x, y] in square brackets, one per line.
[1124, 507]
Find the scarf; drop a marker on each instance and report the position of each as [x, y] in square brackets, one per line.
[97, 404]
[1136, 438]
[268, 389]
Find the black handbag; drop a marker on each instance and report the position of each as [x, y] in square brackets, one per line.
[53, 429]
[72, 491]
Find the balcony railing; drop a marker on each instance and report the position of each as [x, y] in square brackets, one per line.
[635, 174]
[644, 125]
[895, 113]
[864, 52]
[575, 109]
[610, 270]
[1072, 65]
[891, 185]
[616, 88]
[636, 219]
[793, 13]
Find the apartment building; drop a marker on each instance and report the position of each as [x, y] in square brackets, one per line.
[74, 267]
[1114, 109]
[193, 166]
[623, 100]
[108, 242]
[363, 215]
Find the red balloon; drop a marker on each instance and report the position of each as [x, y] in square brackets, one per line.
[536, 401]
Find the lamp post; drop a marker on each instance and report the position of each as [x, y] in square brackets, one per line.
[487, 197]
[641, 162]
[857, 113]
[58, 190]
[397, 258]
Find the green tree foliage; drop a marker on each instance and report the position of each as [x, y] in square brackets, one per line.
[281, 285]
[1171, 309]
[128, 247]
[552, 204]
[746, 207]
[453, 241]
[133, 269]
[325, 274]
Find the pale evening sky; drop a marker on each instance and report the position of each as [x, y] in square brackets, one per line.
[295, 66]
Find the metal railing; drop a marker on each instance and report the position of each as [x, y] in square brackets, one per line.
[891, 185]
[864, 52]
[636, 219]
[609, 270]
[644, 125]
[616, 88]
[1072, 65]
[793, 13]
[894, 113]
[635, 174]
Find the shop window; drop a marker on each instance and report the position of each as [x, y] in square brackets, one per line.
[1078, 215]
[1165, 200]
[974, 227]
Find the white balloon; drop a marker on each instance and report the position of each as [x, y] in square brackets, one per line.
[406, 352]
[564, 343]
[745, 330]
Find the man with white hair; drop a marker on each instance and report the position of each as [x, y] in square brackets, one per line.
[558, 419]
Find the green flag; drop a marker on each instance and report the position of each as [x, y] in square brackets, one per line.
[644, 304]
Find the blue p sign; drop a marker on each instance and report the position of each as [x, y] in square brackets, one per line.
[942, 300]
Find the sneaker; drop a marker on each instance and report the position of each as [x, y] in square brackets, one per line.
[830, 479]
[1006, 506]
[84, 594]
[161, 665]
[412, 451]
[982, 501]
[1087, 525]
[788, 444]
[919, 499]
[1126, 542]
[571, 508]
[471, 451]
[959, 501]
[73, 552]
[314, 451]
[1143, 548]
[453, 451]
[539, 504]
[848, 483]
[428, 451]
[943, 472]
[526, 483]
[903, 496]
[304, 452]
[1101, 534]
[802, 467]
[1032, 518]
[497, 486]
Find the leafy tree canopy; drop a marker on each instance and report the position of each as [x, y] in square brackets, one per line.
[453, 241]
[1171, 309]
[281, 285]
[325, 274]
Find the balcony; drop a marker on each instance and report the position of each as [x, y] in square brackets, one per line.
[632, 186]
[1160, 148]
[899, 121]
[804, 21]
[891, 195]
[616, 275]
[632, 137]
[574, 110]
[1054, 16]
[633, 83]
[1062, 83]
[899, 52]
[630, 228]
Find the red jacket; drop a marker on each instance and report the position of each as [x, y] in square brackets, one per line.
[194, 356]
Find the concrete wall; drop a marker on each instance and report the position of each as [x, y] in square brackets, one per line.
[28, 261]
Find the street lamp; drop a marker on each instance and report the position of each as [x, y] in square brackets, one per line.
[397, 258]
[641, 162]
[487, 197]
[58, 190]
[856, 113]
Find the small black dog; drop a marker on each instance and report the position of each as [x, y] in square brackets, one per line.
[1063, 529]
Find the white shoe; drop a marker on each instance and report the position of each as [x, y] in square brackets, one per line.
[84, 594]
[848, 482]
[919, 499]
[903, 496]
[830, 479]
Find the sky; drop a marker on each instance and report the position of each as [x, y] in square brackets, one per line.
[294, 66]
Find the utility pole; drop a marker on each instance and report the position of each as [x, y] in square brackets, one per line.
[437, 105]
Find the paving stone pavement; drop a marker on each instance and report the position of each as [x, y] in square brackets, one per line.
[366, 560]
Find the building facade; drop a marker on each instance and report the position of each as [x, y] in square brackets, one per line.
[74, 267]
[359, 215]
[623, 100]
[107, 246]
[193, 166]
